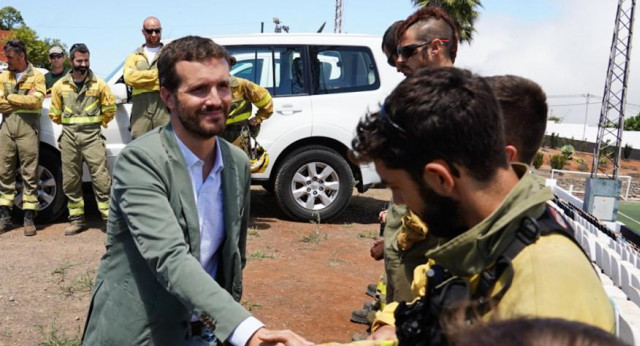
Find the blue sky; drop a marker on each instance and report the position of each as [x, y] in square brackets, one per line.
[562, 45]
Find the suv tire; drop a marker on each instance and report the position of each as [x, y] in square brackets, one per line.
[50, 195]
[313, 183]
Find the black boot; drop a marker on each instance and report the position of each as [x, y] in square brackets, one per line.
[29, 227]
[5, 218]
[76, 225]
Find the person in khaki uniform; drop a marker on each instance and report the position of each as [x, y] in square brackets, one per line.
[240, 124]
[462, 186]
[141, 74]
[81, 102]
[22, 90]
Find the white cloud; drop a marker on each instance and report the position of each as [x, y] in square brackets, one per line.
[566, 54]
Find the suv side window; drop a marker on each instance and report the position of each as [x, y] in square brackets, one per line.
[281, 70]
[341, 69]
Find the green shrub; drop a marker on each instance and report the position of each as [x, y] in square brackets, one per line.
[558, 161]
[580, 160]
[538, 160]
[603, 162]
[567, 151]
[626, 151]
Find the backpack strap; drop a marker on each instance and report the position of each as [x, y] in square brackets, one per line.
[529, 232]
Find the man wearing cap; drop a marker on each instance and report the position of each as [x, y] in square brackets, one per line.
[21, 93]
[141, 74]
[56, 58]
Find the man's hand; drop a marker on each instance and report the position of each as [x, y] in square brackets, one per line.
[386, 332]
[382, 217]
[264, 337]
[253, 121]
[377, 249]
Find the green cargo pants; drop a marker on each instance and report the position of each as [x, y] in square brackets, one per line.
[19, 142]
[147, 112]
[84, 143]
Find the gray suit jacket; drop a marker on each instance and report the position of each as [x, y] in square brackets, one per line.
[150, 280]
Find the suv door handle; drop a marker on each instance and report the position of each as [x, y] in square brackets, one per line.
[288, 110]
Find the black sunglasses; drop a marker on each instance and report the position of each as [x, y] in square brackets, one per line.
[55, 56]
[410, 49]
[151, 31]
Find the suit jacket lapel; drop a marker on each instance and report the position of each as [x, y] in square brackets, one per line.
[232, 202]
[185, 191]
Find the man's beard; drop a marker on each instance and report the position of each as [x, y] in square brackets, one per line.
[190, 121]
[441, 214]
[81, 70]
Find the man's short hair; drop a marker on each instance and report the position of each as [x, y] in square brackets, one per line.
[432, 23]
[524, 109]
[188, 48]
[436, 113]
[390, 39]
[16, 46]
[78, 47]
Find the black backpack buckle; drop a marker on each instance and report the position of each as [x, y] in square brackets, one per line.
[529, 230]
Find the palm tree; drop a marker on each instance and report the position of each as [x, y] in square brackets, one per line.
[463, 12]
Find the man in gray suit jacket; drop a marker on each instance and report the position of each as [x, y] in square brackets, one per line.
[178, 220]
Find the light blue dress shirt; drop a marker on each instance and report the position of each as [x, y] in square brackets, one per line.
[209, 200]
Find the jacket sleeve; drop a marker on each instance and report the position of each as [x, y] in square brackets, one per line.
[33, 98]
[140, 189]
[107, 104]
[139, 79]
[55, 109]
[261, 98]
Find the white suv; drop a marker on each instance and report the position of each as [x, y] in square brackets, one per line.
[321, 85]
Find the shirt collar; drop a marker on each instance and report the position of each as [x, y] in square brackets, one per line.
[191, 159]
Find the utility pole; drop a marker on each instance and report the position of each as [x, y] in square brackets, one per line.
[602, 194]
[337, 23]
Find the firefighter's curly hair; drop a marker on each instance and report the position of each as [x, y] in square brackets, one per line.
[188, 48]
[436, 113]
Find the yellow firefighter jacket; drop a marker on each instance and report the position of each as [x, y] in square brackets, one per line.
[243, 94]
[141, 74]
[552, 277]
[93, 104]
[23, 97]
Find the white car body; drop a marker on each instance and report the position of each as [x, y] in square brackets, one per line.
[310, 119]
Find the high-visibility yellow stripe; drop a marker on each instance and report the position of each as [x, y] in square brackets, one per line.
[29, 206]
[264, 101]
[82, 120]
[68, 110]
[55, 111]
[6, 200]
[76, 212]
[91, 106]
[108, 108]
[103, 205]
[137, 91]
[239, 117]
[30, 198]
[72, 205]
[24, 111]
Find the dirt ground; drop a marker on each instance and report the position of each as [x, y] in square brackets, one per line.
[301, 276]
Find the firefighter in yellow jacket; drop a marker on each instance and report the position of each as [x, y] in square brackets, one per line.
[141, 74]
[22, 90]
[244, 94]
[81, 102]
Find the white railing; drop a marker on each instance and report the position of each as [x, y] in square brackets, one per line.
[620, 177]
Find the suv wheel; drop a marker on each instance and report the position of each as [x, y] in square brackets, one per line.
[314, 182]
[51, 199]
